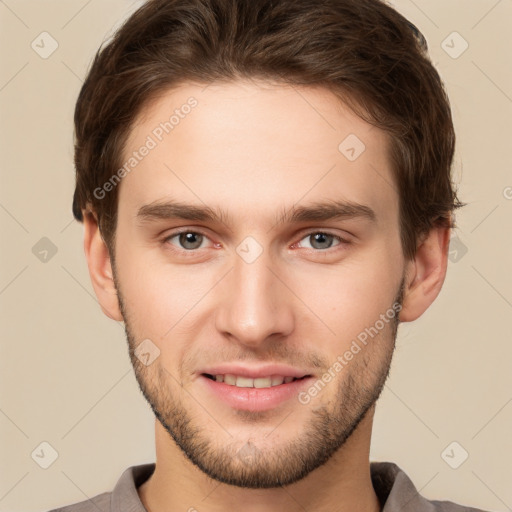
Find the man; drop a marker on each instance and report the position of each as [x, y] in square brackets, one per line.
[265, 190]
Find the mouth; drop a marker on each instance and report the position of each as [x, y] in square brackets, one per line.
[246, 382]
[254, 394]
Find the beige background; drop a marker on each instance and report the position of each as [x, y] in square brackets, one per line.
[65, 373]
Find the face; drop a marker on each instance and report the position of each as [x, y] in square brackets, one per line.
[254, 240]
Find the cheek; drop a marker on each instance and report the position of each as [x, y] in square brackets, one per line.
[352, 296]
[160, 298]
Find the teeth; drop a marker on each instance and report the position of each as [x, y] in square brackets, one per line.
[260, 382]
[276, 380]
[244, 382]
[229, 379]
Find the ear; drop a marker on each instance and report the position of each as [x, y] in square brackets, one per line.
[100, 270]
[425, 273]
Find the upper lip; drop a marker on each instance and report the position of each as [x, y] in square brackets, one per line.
[254, 372]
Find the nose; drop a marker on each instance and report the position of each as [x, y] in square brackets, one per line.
[255, 304]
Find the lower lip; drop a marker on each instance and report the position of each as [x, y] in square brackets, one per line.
[255, 399]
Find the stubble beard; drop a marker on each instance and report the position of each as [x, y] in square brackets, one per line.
[246, 463]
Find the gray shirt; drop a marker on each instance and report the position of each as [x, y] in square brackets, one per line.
[393, 487]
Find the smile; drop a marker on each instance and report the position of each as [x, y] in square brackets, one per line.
[253, 394]
[246, 382]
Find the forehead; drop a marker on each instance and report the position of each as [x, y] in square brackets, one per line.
[254, 148]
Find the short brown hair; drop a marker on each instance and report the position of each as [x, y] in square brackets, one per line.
[364, 51]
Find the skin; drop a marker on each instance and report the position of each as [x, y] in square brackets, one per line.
[257, 150]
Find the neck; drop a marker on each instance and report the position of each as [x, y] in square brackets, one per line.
[343, 483]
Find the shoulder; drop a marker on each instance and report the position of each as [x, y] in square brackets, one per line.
[448, 506]
[396, 492]
[99, 502]
[122, 498]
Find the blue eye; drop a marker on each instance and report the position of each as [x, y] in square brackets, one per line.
[321, 241]
[191, 241]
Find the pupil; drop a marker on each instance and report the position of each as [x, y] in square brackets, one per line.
[321, 238]
[188, 238]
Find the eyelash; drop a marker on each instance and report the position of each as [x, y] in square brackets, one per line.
[192, 252]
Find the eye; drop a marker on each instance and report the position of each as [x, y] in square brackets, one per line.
[187, 240]
[322, 241]
[190, 241]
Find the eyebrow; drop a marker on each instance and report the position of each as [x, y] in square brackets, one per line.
[315, 212]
